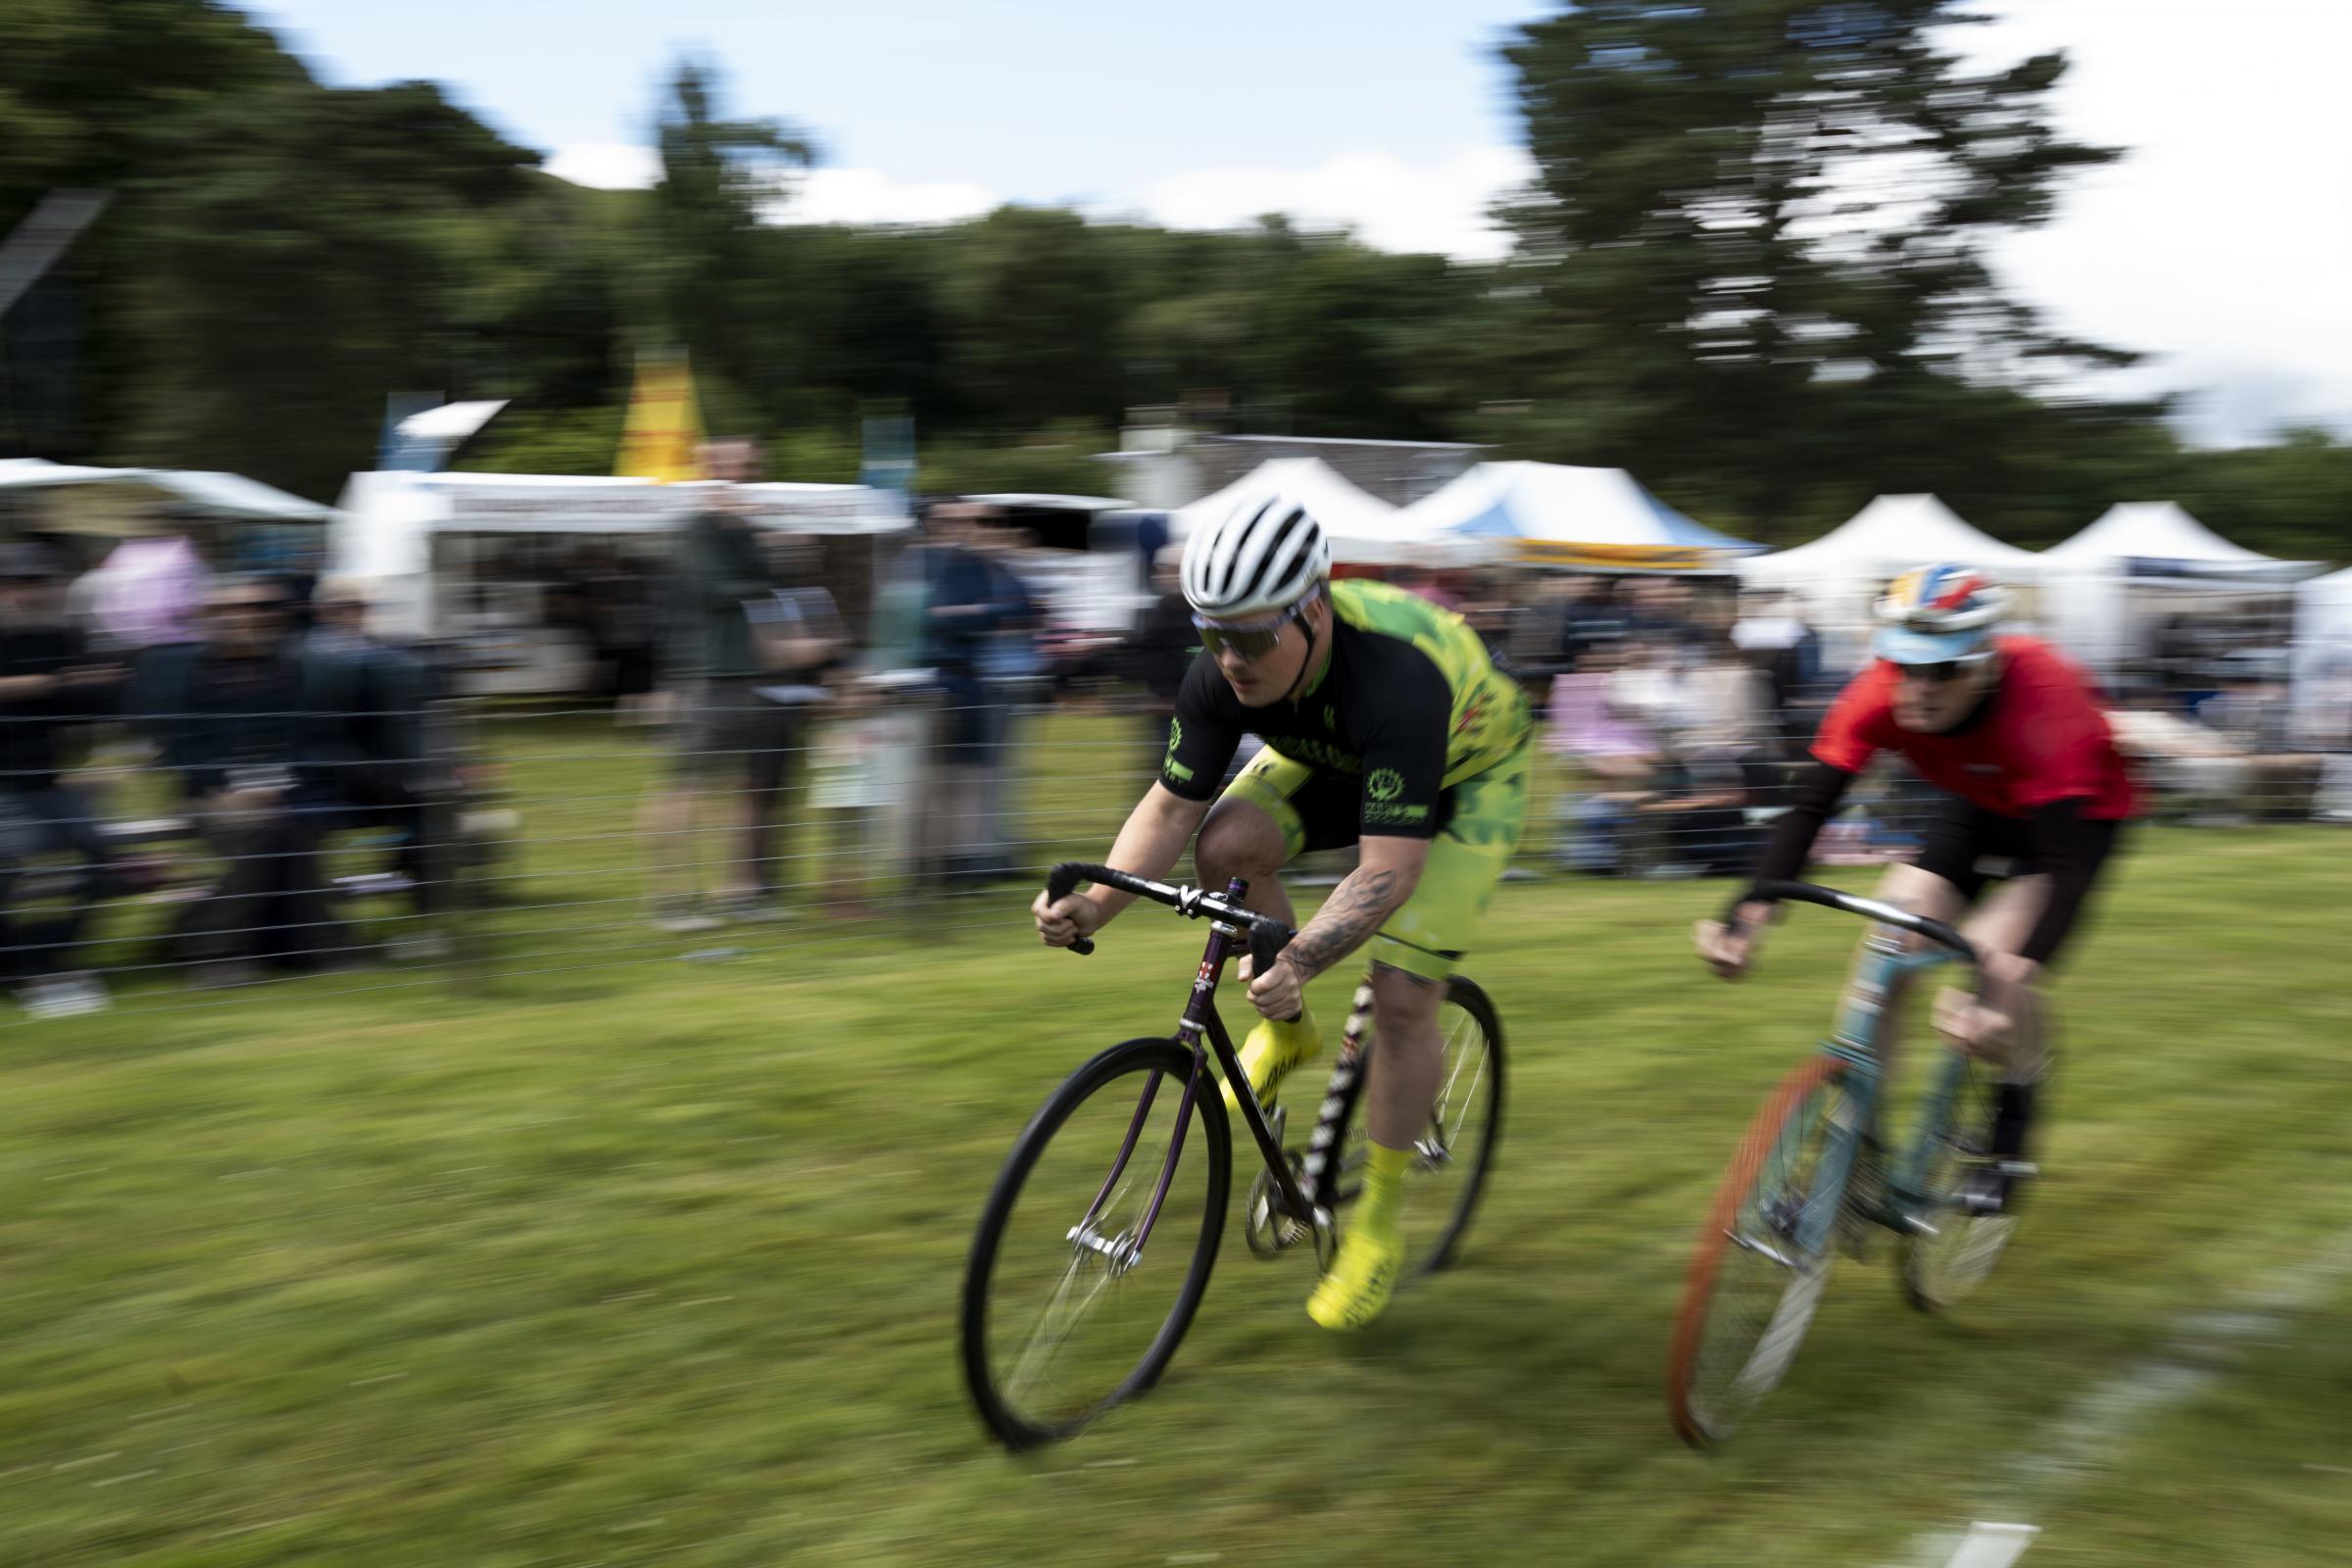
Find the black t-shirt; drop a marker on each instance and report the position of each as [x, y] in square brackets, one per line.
[29, 726]
[1381, 712]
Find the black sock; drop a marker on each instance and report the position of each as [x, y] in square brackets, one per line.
[2012, 1114]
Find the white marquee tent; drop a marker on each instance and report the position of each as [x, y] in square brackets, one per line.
[2323, 658]
[1364, 530]
[220, 495]
[1836, 576]
[1549, 512]
[2103, 589]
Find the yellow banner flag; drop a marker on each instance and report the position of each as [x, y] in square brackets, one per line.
[664, 425]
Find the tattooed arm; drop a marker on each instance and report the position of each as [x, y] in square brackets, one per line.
[1387, 871]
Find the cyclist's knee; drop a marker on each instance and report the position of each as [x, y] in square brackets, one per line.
[1237, 840]
[1403, 1000]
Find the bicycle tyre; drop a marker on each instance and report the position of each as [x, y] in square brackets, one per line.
[1478, 1007]
[1483, 1125]
[1939, 1271]
[1717, 1368]
[1001, 1409]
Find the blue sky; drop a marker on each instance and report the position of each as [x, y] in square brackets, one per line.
[1042, 100]
[2219, 246]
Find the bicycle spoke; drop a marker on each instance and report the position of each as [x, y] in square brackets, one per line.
[1040, 1349]
[1760, 1273]
[1064, 1318]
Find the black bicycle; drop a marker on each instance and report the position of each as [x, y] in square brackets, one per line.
[1095, 1245]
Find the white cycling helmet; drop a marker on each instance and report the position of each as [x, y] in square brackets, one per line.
[1263, 557]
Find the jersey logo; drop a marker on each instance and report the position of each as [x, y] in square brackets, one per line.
[1384, 784]
[1169, 766]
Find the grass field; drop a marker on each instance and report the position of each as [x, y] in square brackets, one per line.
[636, 1261]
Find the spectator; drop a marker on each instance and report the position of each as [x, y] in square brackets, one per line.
[2251, 712]
[1618, 755]
[47, 681]
[966, 600]
[148, 593]
[2194, 772]
[1785, 650]
[231, 717]
[369, 703]
[621, 623]
[1584, 619]
[799, 639]
[1158, 651]
[1011, 677]
[734, 745]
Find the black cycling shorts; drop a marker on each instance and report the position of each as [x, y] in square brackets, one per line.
[1972, 848]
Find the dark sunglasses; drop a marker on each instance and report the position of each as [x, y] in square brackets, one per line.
[1940, 673]
[1249, 639]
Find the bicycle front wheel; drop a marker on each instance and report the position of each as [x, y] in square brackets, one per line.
[1764, 1259]
[1095, 1245]
[1953, 1248]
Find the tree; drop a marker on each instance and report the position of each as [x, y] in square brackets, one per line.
[720, 179]
[90, 93]
[296, 262]
[1759, 233]
[1032, 313]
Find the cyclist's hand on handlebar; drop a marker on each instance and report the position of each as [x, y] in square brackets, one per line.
[1985, 1024]
[1729, 949]
[1973, 1028]
[1280, 992]
[1064, 921]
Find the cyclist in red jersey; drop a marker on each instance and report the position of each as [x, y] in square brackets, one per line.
[2036, 793]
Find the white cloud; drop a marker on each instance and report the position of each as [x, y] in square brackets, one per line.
[2220, 242]
[820, 196]
[1388, 201]
[869, 196]
[604, 165]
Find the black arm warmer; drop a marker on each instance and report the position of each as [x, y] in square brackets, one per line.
[1819, 789]
[2064, 846]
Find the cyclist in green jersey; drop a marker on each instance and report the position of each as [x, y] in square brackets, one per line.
[1387, 727]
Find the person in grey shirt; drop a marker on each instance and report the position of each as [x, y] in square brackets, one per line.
[735, 747]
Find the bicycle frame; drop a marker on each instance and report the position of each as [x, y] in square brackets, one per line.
[1201, 1030]
[1887, 961]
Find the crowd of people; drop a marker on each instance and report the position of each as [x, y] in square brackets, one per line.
[271, 719]
[1676, 712]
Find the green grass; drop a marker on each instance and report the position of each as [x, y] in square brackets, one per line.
[636, 1261]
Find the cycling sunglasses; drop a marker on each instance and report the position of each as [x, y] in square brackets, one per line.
[1249, 639]
[1942, 671]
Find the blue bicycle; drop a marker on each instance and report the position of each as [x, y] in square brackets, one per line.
[1812, 1176]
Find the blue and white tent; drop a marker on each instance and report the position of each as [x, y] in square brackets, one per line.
[1546, 513]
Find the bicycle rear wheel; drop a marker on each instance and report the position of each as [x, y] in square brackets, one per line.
[1764, 1259]
[1454, 1151]
[1068, 1309]
[1452, 1159]
[1942, 1266]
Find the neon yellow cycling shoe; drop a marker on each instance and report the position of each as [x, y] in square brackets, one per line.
[1371, 1257]
[1270, 1052]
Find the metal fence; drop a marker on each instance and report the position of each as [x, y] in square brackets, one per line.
[522, 840]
